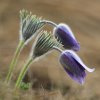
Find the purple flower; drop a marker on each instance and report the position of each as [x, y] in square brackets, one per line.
[74, 66]
[64, 34]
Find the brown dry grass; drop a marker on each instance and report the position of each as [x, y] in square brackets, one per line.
[84, 19]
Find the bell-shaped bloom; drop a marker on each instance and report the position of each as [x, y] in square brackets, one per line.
[64, 34]
[74, 66]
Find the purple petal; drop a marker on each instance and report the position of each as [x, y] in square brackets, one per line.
[74, 69]
[66, 36]
[79, 61]
[78, 79]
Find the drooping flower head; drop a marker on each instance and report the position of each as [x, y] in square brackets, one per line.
[64, 34]
[44, 43]
[29, 25]
[74, 66]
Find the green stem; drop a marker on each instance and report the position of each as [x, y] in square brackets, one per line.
[14, 61]
[23, 72]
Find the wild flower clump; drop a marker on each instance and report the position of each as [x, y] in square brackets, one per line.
[62, 39]
[30, 25]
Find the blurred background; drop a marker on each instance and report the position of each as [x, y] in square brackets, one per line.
[84, 19]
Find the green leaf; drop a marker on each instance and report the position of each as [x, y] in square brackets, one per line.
[25, 86]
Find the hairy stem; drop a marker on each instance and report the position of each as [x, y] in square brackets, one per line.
[49, 22]
[14, 61]
[58, 49]
[23, 72]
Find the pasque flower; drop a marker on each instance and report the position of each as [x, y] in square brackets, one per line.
[74, 66]
[64, 34]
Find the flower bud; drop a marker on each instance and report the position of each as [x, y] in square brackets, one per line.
[44, 43]
[29, 25]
